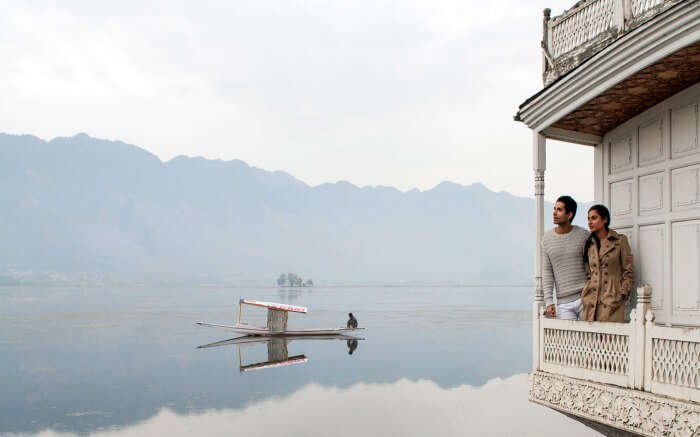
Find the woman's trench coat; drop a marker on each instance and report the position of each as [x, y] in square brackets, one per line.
[609, 280]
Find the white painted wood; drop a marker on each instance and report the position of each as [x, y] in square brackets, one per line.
[651, 193]
[654, 40]
[686, 187]
[569, 136]
[621, 155]
[666, 192]
[621, 197]
[599, 169]
[684, 130]
[672, 366]
[686, 265]
[651, 260]
[638, 322]
[539, 165]
[651, 144]
[595, 351]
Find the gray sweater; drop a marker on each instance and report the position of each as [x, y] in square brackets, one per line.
[562, 264]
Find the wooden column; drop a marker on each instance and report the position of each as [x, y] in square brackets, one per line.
[642, 313]
[539, 166]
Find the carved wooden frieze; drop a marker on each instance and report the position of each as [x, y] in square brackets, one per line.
[626, 409]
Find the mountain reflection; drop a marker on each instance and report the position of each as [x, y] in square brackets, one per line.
[277, 349]
[407, 408]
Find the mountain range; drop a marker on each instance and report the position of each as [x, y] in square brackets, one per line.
[88, 210]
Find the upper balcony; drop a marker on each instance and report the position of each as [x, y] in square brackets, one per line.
[588, 27]
[606, 61]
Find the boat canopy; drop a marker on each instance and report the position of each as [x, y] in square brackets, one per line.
[274, 306]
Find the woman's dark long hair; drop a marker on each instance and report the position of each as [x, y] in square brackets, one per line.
[604, 214]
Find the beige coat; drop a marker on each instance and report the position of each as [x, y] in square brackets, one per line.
[609, 280]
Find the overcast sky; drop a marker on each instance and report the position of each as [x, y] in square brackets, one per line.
[405, 94]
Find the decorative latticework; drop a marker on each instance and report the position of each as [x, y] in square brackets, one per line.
[581, 25]
[676, 362]
[639, 7]
[601, 352]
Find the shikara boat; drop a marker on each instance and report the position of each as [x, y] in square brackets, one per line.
[277, 315]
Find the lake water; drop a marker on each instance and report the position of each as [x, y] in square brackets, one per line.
[434, 361]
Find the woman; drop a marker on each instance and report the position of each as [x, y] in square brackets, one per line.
[609, 273]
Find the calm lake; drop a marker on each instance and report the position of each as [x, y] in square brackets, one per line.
[434, 361]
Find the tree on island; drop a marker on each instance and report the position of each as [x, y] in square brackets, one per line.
[293, 280]
[282, 280]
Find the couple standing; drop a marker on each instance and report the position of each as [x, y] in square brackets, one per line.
[592, 272]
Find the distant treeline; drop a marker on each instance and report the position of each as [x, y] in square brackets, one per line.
[293, 280]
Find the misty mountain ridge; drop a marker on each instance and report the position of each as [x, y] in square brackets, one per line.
[87, 210]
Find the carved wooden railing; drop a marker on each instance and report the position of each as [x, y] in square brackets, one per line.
[587, 350]
[672, 365]
[639, 355]
[588, 27]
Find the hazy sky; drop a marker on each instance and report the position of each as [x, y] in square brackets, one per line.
[404, 93]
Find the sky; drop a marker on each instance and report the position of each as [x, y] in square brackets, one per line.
[405, 94]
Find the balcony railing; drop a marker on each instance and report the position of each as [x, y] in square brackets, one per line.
[589, 27]
[638, 355]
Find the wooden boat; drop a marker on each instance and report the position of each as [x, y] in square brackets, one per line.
[277, 316]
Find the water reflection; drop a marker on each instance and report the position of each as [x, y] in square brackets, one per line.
[277, 349]
[85, 360]
[406, 408]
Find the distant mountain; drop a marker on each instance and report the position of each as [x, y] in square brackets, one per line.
[90, 210]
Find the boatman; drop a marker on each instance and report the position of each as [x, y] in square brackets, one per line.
[562, 266]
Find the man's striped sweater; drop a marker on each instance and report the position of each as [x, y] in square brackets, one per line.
[562, 264]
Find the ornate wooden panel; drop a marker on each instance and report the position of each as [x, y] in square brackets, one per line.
[676, 362]
[601, 352]
[651, 193]
[686, 187]
[621, 197]
[651, 261]
[686, 265]
[651, 143]
[621, 155]
[684, 130]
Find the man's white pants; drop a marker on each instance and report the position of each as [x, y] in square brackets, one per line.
[569, 310]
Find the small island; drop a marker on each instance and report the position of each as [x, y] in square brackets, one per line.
[293, 280]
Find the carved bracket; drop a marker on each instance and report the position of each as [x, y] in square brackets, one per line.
[626, 409]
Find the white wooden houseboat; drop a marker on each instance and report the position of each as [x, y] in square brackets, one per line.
[623, 77]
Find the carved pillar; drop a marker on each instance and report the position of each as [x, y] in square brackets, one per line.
[639, 317]
[539, 166]
[545, 40]
[645, 323]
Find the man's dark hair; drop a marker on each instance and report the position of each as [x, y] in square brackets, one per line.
[569, 205]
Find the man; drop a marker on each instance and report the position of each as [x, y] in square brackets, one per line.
[563, 262]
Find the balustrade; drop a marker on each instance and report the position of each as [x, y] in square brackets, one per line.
[589, 27]
[639, 355]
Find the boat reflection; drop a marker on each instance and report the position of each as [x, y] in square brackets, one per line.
[277, 349]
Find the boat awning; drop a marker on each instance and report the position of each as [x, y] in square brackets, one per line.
[275, 306]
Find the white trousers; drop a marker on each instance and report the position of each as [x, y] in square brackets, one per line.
[570, 310]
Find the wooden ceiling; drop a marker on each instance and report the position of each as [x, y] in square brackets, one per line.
[637, 93]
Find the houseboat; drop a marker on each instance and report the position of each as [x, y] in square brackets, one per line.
[623, 77]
